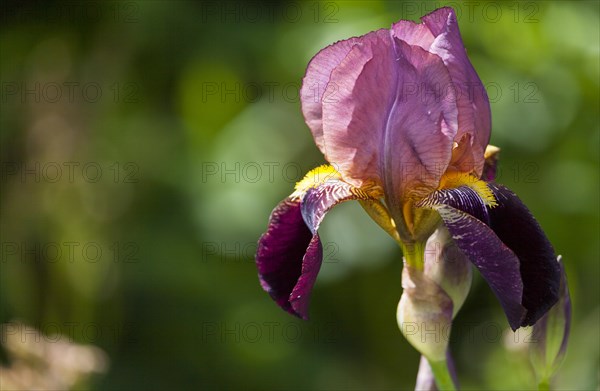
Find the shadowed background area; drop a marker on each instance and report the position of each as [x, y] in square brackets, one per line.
[144, 144]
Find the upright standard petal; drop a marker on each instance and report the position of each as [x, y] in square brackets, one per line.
[290, 253]
[381, 124]
[474, 112]
[316, 79]
[413, 33]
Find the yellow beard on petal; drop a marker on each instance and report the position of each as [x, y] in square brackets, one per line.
[315, 177]
[322, 174]
[451, 180]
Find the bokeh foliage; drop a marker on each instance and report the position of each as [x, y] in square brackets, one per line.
[198, 133]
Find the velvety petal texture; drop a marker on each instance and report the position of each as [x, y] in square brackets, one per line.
[281, 251]
[290, 253]
[508, 247]
[519, 230]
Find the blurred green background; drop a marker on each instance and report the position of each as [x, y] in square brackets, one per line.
[144, 144]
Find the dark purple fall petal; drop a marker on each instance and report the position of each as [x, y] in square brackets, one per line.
[512, 253]
[517, 228]
[299, 298]
[319, 200]
[498, 265]
[462, 198]
[281, 250]
[290, 253]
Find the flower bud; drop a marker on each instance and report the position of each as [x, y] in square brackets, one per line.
[446, 265]
[433, 295]
[551, 333]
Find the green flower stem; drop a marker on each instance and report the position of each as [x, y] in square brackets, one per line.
[443, 379]
[414, 253]
[544, 385]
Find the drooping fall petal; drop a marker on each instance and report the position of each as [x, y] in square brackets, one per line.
[290, 253]
[281, 251]
[519, 230]
[510, 249]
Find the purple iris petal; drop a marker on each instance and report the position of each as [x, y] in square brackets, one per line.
[462, 198]
[290, 253]
[393, 130]
[319, 200]
[281, 250]
[512, 253]
[474, 114]
[317, 77]
[518, 229]
[498, 265]
[393, 104]
[439, 34]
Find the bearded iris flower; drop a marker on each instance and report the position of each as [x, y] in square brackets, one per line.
[404, 121]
